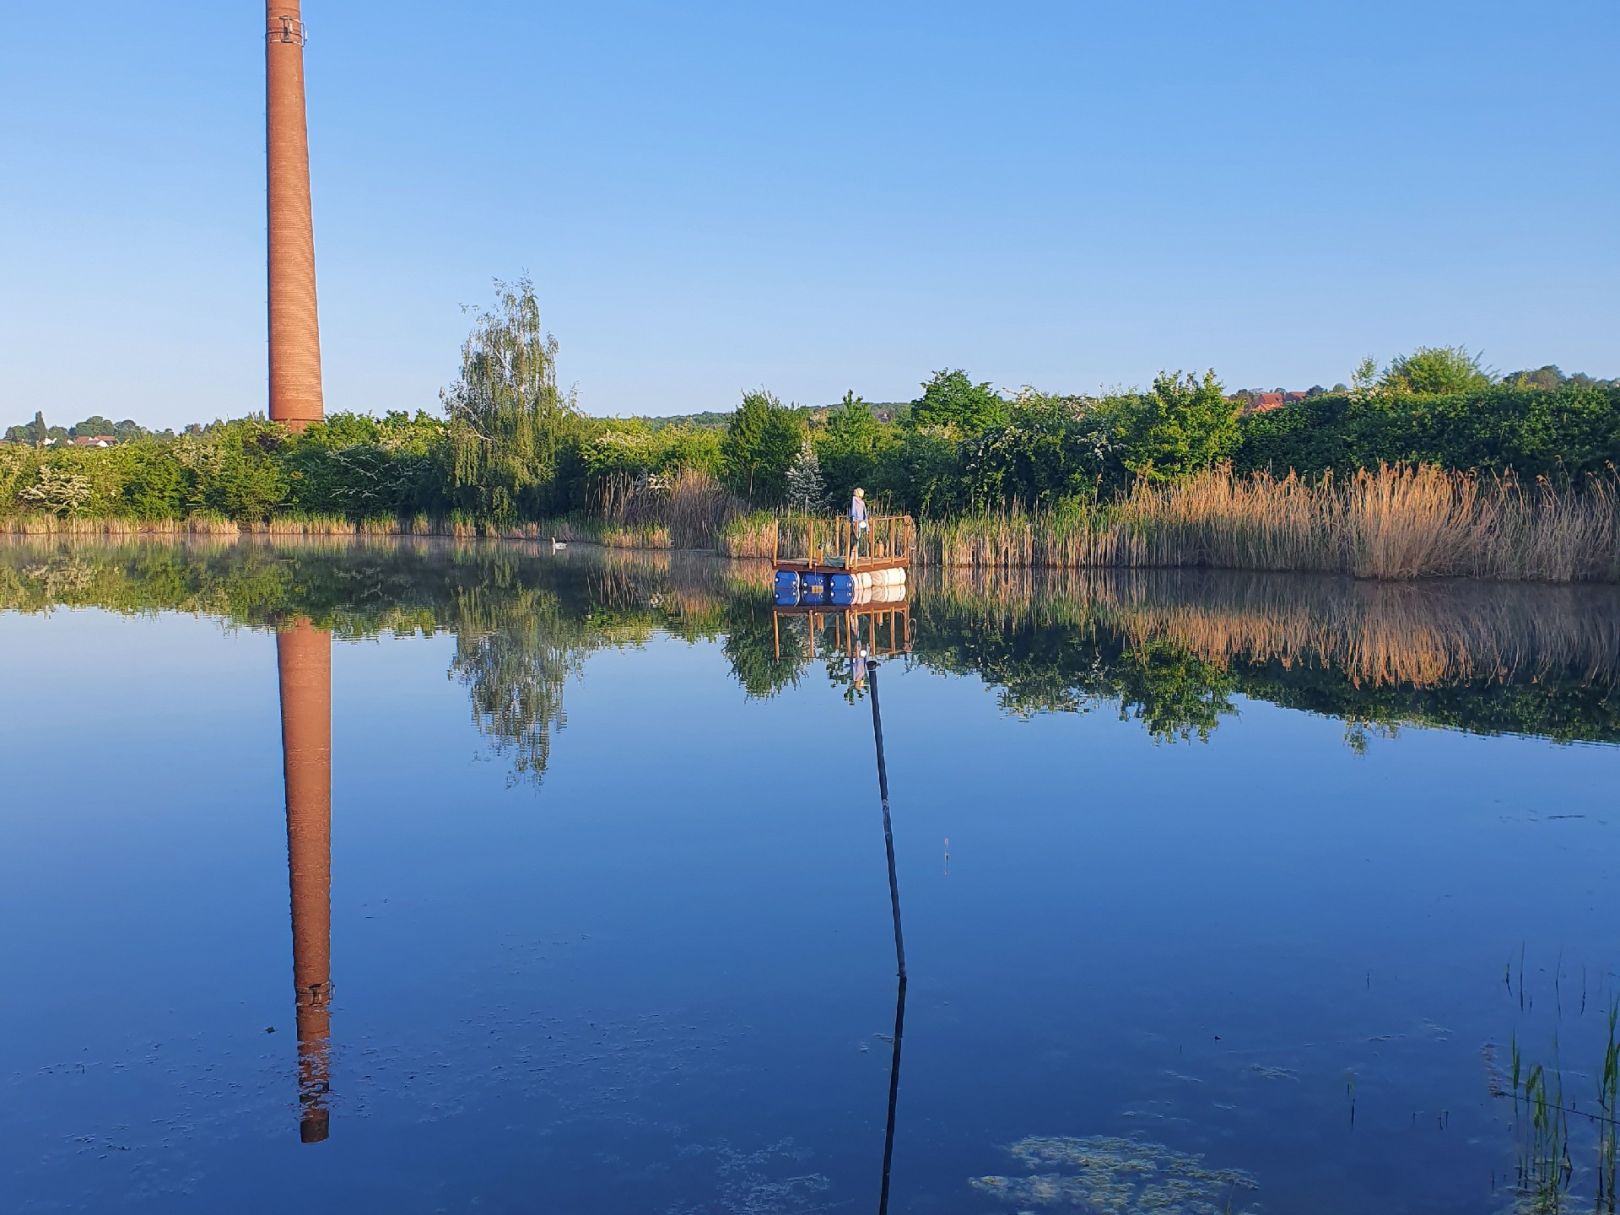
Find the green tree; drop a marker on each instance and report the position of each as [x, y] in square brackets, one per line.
[760, 444]
[849, 446]
[511, 430]
[922, 473]
[951, 399]
[1435, 370]
[1185, 424]
[93, 426]
[1542, 377]
[806, 491]
[1364, 379]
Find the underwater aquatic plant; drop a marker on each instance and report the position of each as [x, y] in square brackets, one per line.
[1110, 1176]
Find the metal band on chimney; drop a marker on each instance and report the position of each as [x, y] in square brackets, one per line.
[288, 28]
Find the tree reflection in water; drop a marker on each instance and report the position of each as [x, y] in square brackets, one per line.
[1169, 649]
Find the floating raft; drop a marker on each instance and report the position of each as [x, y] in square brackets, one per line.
[812, 548]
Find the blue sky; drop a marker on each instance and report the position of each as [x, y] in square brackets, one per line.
[811, 197]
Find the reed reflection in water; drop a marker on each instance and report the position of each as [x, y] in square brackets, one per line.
[1173, 647]
[1378, 633]
[1170, 648]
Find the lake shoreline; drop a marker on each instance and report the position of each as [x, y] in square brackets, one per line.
[976, 553]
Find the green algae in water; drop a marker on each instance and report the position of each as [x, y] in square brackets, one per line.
[770, 1181]
[1101, 1175]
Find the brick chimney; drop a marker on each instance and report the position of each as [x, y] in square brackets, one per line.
[295, 337]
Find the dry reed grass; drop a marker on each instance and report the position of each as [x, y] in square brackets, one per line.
[56, 525]
[689, 508]
[750, 536]
[1388, 523]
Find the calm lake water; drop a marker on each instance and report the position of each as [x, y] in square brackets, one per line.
[1219, 893]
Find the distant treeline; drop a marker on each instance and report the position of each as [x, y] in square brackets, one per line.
[39, 433]
[1038, 451]
[512, 451]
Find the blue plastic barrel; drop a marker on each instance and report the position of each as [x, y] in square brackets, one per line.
[841, 589]
[787, 587]
[809, 583]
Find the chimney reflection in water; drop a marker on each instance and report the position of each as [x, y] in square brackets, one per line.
[304, 662]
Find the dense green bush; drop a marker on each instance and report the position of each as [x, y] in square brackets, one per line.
[1558, 433]
[246, 470]
[618, 447]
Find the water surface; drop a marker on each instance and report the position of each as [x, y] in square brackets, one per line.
[1218, 892]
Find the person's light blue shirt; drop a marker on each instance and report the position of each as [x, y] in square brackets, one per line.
[857, 510]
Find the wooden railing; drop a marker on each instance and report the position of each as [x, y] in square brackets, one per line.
[887, 539]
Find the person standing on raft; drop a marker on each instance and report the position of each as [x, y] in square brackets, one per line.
[857, 521]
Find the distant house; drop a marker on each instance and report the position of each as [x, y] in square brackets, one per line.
[1265, 402]
[94, 440]
[1291, 397]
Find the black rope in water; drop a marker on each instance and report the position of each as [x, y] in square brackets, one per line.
[899, 943]
[894, 1091]
[888, 827]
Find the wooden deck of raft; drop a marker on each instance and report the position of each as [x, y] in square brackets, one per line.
[860, 565]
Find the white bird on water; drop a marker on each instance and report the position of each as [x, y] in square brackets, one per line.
[558, 544]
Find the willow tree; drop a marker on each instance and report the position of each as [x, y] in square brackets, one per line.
[513, 434]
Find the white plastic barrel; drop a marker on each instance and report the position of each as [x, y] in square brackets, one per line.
[880, 594]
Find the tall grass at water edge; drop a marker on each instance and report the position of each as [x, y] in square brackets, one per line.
[687, 508]
[1389, 523]
[566, 528]
[1395, 522]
